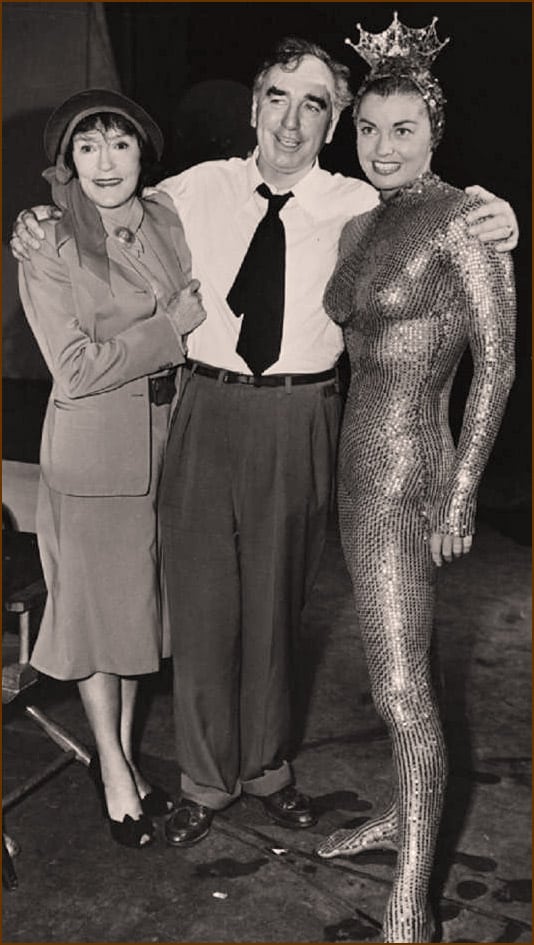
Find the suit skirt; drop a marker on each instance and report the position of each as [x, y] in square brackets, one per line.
[100, 555]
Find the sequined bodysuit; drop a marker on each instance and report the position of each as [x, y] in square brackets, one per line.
[412, 290]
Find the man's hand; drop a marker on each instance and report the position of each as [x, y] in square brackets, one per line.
[27, 234]
[494, 222]
[445, 547]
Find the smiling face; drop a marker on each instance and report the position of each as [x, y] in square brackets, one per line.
[394, 139]
[294, 116]
[108, 164]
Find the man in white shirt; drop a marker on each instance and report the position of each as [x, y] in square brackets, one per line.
[248, 477]
[245, 496]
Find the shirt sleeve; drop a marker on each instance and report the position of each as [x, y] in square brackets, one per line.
[176, 188]
[79, 365]
[488, 289]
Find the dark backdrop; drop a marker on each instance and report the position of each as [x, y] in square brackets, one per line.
[191, 65]
[175, 56]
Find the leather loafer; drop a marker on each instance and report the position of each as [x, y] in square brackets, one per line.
[189, 823]
[289, 808]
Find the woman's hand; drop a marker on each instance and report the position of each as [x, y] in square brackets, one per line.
[185, 308]
[447, 547]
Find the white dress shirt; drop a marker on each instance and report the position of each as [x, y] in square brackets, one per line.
[220, 210]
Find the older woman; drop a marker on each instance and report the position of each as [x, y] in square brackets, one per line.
[109, 300]
[412, 290]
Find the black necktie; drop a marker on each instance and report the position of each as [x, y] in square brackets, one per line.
[258, 289]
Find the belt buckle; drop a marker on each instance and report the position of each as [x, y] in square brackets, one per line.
[250, 380]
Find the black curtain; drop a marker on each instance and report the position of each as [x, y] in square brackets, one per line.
[191, 64]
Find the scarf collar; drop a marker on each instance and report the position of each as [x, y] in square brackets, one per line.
[85, 222]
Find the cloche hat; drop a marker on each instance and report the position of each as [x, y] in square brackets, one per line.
[64, 119]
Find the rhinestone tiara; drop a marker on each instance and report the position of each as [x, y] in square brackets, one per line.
[416, 47]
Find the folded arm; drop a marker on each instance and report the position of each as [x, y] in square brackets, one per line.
[79, 365]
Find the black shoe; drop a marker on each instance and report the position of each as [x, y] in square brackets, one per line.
[189, 824]
[289, 808]
[157, 802]
[128, 832]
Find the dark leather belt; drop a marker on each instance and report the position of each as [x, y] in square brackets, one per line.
[264, 380]
[161, 390]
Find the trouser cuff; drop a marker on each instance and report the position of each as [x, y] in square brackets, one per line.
[212, 797]
[270, 781]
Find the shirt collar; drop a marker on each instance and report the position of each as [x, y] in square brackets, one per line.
[308, 192]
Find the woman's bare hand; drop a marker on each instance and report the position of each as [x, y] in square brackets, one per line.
[446, 547]
[185, 308]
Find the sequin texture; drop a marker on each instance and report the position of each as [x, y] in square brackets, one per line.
[412, 289]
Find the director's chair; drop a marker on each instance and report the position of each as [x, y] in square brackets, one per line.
[24, 594]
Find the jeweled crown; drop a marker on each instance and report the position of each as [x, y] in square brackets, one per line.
[417, 47]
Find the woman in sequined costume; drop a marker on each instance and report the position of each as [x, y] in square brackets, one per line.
[412, 289]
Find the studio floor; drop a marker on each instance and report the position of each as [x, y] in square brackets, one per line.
[251, 881]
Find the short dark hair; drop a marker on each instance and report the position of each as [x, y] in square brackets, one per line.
[108, 121]
[288, 54]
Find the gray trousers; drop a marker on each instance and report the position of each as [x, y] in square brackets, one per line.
[245, 493]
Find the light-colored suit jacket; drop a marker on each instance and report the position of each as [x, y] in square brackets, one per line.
[100, 344]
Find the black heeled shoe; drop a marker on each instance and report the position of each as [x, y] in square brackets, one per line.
[127, 832]
[157, 803]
